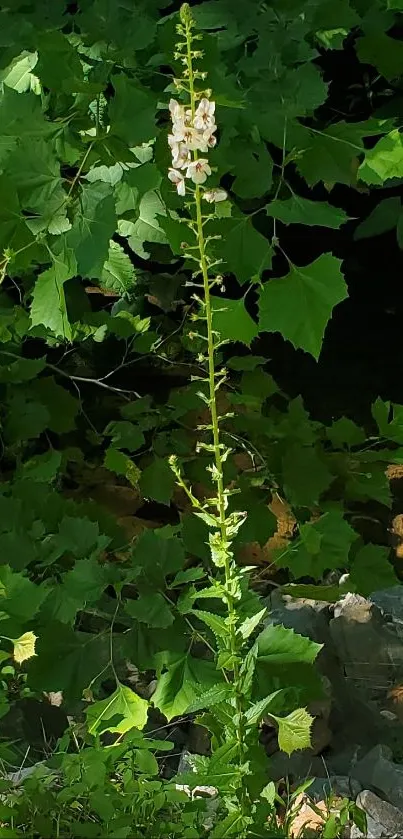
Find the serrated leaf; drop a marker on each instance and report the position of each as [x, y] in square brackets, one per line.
[246, 252]
[78, 536]
[298, 210]
[35, 172]
[385, 160]
[249, 624]
[258, 710]
[300, 304]
[43, 467]
[118, 273]
[305, 475]
[371, 570]
[184, 681]
[294, 731]
[48, 301]
[278, 645]
[147, 227]
[345, 433]
[383, 52]
[157, 481]
[325, 545]
[234, 824]
[130, 98]
[119, 713]
[19, 597]
[18, 74]
[232, 321]
[212, 697]
[332, 155]
[151, 609]
[93, 227]
[24, 647]
[120, 463]
[217, 624]
[126, 435]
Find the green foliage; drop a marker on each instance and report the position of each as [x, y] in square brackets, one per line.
[122, 517]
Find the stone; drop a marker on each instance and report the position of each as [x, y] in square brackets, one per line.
[383, 820]
[377, 771]
[339, 785]
[390, 601]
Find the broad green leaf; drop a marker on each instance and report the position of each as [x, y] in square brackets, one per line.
[217, 624]
[24, 647]
[151, 609]
[93, 227]
[184, 681]
[118, 273]
[234, 824]
[371, 570]
[120, 463]
[383, 218]
[258, 710]
[278, 645]
[250, 162]
[130, 98]
[250, 624]
[34, 170]
[119, 713]
[332, 155]
[294, 731]
[125, 435]
[157, 556]
[246, 252]
[383, 52]
[21, 370]
[78, 536]
[212, 697]
[305, 475]
[297, 210]
[59, 67]
[12, 224]
[300, 305]
[18, 74]
[232, 321]
[61, 406]
[369, 481]
[345, 433]
[135, 184]
[246, 362]
[385, 160]
[67, 660]
[325, 545]
[157, 481]
[43, 467]
[48, 302]
[329, 594]
[147, 227]
[20, 599]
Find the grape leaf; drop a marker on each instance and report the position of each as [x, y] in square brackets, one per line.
[325, 545]
[94, 225]
[246, 252]
[120, 712]
[331, 155]
[371, 570]
[61, 406]
[294, 731]
[383, 52]
[131, 99]
[34, 170]
[20, 599]
[147, 227]
[232, 321]
[78, 536]
[18, 74]
[297, 210]
[305, 475]
[385, 160]
[118, 273]
[345, 433]
[185, 679]
[300, 305]
[151, 609]
[24, 647]
[383, 218]
[125, 435]
[67, 660]
[48, 301]
[157, 481]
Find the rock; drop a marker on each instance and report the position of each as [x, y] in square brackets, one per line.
[377, 771]
[390, 601]
[307, 617]
[340, 785]
[383, 820]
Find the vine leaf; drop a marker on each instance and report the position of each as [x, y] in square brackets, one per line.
[385, 160]
[325, 545]
[131, 99]
[232, 321]
[385, 53]
[48, 301]
[118, 713]
[24, 647]
[246, 252]
[305, 475]
[93, 227]
[118, 273]
[384, 217]
[157, 481]
[371, 570]
[297, 210]
[300, 304]
[184, 681]
[294, 731]
[151, 609]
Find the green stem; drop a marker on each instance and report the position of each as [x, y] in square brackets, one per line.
[234, 646]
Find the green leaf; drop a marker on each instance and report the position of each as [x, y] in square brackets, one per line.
[168, 556]
[345, 433]
[20, 599]
[305, 475]
[383, 218]
[385, 160]
[157, 481]
[131, 99]
[383, 52]
[93, 227]
[120, 463]
[147, 227]
[278, 645]
[126, 435]
[43, 467]
[329, 594]
[118, 273]
[232, 321]
[246, 252]
[212, 697]
[246, 362]
[331, 155]
[217, 624]
[24, 647]
[119, 713]
[48, 301]
[258, 710]
[250, 624]
[234, 824]
[297, 210]
[371, 570]
[67, 660]
[78, 536]
[61, 406]
[35, 172]
[325, 545]
[151, 609]
[294, 731]
[300, 305]
[18, 74]
[185, 680]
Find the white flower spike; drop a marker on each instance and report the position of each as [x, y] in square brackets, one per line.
[198, 171]
[178, 179]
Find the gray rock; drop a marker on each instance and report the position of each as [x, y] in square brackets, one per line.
[342, 785]
[377, 771]
[390, 601]
[383, 820]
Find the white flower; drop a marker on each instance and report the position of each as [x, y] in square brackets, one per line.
[215, 195]
[209, 137]
[180, 156]
[178, 179]
[192, 139]
[198, 171]
[177, 111]
[204, 117]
